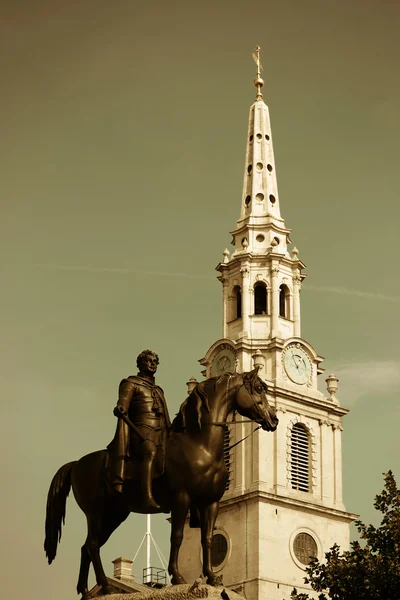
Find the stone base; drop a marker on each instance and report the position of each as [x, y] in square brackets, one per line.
[179, 592]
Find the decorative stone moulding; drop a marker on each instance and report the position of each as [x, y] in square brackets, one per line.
[332, 385]
[191, 384]
[258, 360]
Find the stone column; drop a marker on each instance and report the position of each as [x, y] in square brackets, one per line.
[274, 301]
[296, 305]
[239, 460]
[245, 271]
[280, 451]
[225, 306]
[327, 461]
[337, 440]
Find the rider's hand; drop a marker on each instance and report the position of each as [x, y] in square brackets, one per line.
[119, 411]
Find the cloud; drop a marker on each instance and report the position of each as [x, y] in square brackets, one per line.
[88, 269]
[367, 378]
[350, 292]
[316, 288]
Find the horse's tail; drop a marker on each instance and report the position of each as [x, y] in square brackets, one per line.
[55, 510]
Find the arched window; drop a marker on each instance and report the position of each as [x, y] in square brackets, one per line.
[284, 301]
[238, 297]
[300, 458]
[260, 298]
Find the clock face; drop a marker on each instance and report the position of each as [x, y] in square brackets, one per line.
[224, 361]
[297, 364]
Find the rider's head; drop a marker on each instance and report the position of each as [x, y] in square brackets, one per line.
[147, 362]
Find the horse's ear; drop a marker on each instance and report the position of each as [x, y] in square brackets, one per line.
[251, 374]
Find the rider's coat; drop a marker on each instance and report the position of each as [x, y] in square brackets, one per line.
[144, 403]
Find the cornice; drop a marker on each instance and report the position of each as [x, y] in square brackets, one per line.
[253, 257]
[270, 225]
[288, 502]
[307, 400]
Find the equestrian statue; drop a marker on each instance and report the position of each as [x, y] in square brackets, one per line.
[152, 466]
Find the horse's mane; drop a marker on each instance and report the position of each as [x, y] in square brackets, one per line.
[194, 403]
[190, 412]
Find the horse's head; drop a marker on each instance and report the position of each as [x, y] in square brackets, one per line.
[251, 401]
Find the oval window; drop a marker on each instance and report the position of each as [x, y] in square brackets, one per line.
[304, 548]
[219, 549]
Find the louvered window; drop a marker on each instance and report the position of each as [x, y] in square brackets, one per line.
[227, 456]
[300, 458]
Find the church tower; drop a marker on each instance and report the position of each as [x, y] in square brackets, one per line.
[283, 502]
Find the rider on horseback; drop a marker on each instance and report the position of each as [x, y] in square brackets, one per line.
[143, 421]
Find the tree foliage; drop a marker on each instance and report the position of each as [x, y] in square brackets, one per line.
[370, 570]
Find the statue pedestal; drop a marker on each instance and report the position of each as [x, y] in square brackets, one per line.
[180, 592]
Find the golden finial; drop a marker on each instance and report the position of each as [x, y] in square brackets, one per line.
[258, 82]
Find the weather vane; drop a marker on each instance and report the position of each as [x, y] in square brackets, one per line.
[258, 82]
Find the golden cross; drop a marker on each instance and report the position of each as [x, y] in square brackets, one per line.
[256, 58]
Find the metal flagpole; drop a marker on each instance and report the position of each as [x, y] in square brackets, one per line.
[148, 547]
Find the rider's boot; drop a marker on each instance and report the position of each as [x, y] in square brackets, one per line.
[150, 504]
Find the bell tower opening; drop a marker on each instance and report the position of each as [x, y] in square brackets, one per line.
[238, 297]
[284, 301]
[260, 299]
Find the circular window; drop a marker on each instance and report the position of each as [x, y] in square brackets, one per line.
[219, 549]
[266, 136]
[251, 138]
[247, 201]
[260, 238]
[259, 136]
[269, 167]
[249, 168]
[259, 166]
[305, 548]
[272, 199]
[260, 197]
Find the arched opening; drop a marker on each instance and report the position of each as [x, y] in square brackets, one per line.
[300, 458]
[260, 298]
[237, 293]
[284, 301]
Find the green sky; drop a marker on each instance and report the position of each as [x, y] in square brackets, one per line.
[123, 129]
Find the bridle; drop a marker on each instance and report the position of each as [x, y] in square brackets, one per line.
[234, 421]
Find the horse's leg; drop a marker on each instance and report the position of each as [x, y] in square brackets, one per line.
[180, 508]
[92, 545]
[82, 587]
[208, 515]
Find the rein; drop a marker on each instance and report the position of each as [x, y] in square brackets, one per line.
[225, 424]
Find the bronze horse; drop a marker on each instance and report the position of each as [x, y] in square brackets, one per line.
[194, 477]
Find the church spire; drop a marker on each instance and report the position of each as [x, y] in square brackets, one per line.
[262, 278]
[260, 201]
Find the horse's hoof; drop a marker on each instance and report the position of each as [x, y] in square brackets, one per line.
[107, 589]
[214, 580]
[177, 580]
